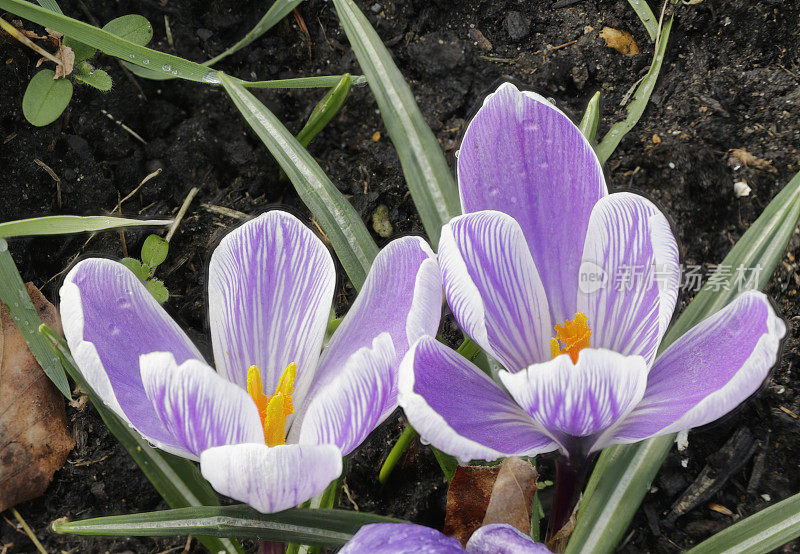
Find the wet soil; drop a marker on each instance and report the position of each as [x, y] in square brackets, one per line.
[731, 79]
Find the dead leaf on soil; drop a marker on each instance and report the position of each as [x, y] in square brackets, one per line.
[746, 158]
[621, 41]
[34, 438]
[482, 495]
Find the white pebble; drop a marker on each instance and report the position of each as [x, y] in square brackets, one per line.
[740, 189]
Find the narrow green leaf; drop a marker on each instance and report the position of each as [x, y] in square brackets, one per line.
[276, 12]
[82, 51]
[66, 224]
[97, 78]
[304, 82]
[645, 14]
[45, 98]
[640, 99]
[154, 251]
[176, 479]
[49, 5]
[15, 296]
[300, 525]
[623, 474]
[341, 223]
[591, 118]
[133, 28]
[110, 43]
[429, 178]
[324, 111]
[760, 533]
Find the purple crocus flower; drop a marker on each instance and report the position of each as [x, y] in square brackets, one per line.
[408, 538]
[271, 424]
[571, 290]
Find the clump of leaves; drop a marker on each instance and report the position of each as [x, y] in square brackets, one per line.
[154, 252]
[49, 92]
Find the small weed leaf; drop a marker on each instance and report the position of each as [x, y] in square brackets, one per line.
[133, 28]
[97, 78]
[154, 251]
[136, 267]
[82, 51]
[158, 290]
[45, 98]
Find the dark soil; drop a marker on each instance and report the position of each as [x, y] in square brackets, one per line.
[730, 80]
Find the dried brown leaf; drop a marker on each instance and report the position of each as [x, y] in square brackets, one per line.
[621, 41]
[746, 158]
[34, 437]
[67, 57]
[482, 495]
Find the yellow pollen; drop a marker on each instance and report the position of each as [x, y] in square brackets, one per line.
[274, 409]
[572, 337]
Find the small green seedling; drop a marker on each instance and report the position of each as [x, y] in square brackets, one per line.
[154, 252]
[49, 92]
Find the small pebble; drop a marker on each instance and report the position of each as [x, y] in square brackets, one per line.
[766, 497]
[205, 34]
[671, 165]
[380, 222]
[517, 25]
[740, 188]
[376, 8]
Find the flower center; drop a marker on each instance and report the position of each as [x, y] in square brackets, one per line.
[572, 337]
[274, 409]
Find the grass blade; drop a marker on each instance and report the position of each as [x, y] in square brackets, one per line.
[760, 533]
[341, 223]
[321, 527]
[176, 479]
[591, 119]
[65, 224]
[323, 112]
[275, 13]
[15, 296]
[110, 43]
[429, 178]
[646, 15]
[640, 99]
[623, 473]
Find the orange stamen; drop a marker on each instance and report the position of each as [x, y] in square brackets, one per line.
[274, 409]
[572, 337]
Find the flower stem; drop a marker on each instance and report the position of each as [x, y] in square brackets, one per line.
[570, 474]
[394, 456]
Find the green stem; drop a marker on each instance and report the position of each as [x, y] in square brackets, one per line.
[409, 434]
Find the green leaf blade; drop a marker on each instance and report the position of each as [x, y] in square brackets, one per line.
[96, 78]
[341, 223]
[45, 98]
[760, 533]
[591, 119]
[323, 527]
[428, 176]
[623, 474]
[67, 224]
[154, 251]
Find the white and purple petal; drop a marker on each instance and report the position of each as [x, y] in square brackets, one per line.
[493, 288]
[110, 319]
[708, 371]
[402, 296]
[400, 538]
[524, 157]
[629, 275]
[270, 287]
[501, 538]
[459, 410]
[271, 478]
[198, 408]
[356, 401]
[577, 401]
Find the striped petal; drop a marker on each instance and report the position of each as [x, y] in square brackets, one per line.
[459, 410]
[271, 478]
[709, 371]
[356, 401]
[400, 538]
[501, 538]
[576, 401]
[522, 156]
[199, 408]
[402, 296]
[109, 320]
[629, 275]
[493, 288]
[270, 287]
